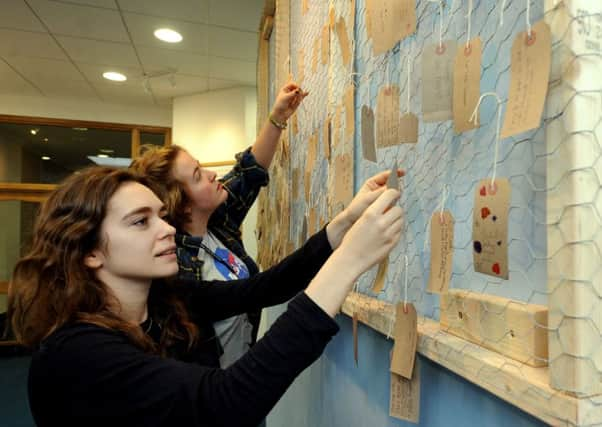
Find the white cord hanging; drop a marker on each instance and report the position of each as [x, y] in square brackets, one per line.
[502, 13]
[440, 207]
[440, 21]
[468, 16]
[475, 119]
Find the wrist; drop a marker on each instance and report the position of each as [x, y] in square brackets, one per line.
[278, 120]
[337, 228]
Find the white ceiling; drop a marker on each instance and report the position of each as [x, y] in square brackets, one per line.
[60, 48]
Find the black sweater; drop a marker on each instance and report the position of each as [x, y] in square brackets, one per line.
[85, 375]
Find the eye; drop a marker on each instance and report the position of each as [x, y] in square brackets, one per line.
[140, 222]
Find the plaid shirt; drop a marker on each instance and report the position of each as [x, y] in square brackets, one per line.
[242, 183]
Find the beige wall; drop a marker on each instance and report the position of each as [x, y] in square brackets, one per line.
[213, 127]
[74, 109]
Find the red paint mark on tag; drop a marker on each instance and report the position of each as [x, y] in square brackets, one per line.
[485, 212]
[483, 191]
[496, 268]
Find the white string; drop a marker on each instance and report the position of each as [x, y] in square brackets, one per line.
[405, 285]
[443, 200]
[502, 13]
[475, 119]
[440, 21]
[528, 17]
[409, 78]
[469, 23]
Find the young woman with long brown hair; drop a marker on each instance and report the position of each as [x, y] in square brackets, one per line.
[116, 343]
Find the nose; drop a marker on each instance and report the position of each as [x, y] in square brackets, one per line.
[167, 229]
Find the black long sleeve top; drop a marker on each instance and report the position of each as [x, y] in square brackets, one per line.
[83, 374]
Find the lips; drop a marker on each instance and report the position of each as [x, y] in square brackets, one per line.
[170, 251]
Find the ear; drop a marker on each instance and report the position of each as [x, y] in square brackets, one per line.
[93, 260]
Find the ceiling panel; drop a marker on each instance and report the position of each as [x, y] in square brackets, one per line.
[142, 27]
[107, 4]
[12, 83]
[67, 89]
[232, 69]
[123, 94]
[233, 44]
[15, 14]
[184, 85]
[99, 52]
[93, 73]
[243, 15]
[81, 21]
[217, 84]
[39, 70]
[184, 62]
[27, 43]
[186, 10]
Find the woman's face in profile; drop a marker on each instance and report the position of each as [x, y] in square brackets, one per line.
[137, 244]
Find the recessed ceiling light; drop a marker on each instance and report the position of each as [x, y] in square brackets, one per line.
[45, 139]
[80, 129]
[114, 76]
[45, 158]
[167, 35]
[34, 131]
[107, 150]
[103, 155]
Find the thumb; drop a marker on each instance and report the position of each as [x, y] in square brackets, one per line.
[385, 200]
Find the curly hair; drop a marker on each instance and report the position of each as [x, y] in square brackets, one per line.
[156, 164]
[51, 285]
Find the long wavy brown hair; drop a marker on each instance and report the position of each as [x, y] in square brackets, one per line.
[156, 164]
[52, 287]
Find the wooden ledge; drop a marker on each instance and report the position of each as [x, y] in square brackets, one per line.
[25, 192]
[520, 384]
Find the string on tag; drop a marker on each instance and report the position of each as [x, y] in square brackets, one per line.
[502, 13]
[475, 119]
[440, 21]
[468, 16]
[410, 53]
[528, 17]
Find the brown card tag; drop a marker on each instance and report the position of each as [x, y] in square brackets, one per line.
[304, 6]
[381, 276]
[442, 237]
[355, 348]
[529, 75]
[295, 178]
[301, 66]
[387, 116]
[326, 138]
[404, 402]
[393, 179]
[368, 147]
[312, 222]
[307, 185]
[406, 338]
[331, 16]
[315, 56]
[295, 122]
[490, 227]
[343, 177]
[388, 21]
[437, 81]
[408, 129]
[312, 152]
[336, 128]
[325, 44]
[467, 84]
[349, 112]
[343, 37]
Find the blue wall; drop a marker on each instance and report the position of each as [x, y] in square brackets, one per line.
[334, 393]
[14, 409]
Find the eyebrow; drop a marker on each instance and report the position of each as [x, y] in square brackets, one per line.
[143, 209]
